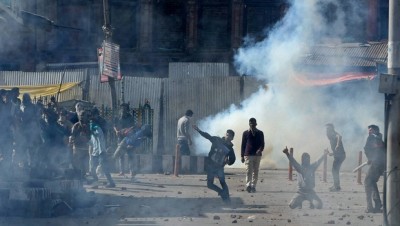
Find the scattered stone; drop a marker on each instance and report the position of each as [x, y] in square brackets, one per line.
[361, 217]
[233, 216]
[306, 214]
[123, 188]
[331, 214]
[216, 217]
[348, 223]
[234, 221]
[166, 220]
[289, 220]
[179, 192]
[331, 222]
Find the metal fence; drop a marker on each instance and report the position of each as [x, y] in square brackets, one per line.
[169, 97]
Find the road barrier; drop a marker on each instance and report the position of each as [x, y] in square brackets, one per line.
[290, 166]
[177, 160]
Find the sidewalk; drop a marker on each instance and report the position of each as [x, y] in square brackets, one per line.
[158, 199]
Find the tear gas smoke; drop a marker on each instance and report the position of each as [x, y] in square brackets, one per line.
[288, 113]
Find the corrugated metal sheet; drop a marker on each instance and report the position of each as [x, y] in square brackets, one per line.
[184, 70]
[205, 96]
[19, 78]
[350, 55]
[169, 98]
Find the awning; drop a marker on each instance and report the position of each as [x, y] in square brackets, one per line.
[43, 90]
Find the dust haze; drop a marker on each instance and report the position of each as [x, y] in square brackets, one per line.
[291, 114]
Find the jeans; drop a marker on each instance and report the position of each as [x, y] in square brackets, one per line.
[101, 160]
[184, 147]
[220, 174]
[337, 163]
[371, 187]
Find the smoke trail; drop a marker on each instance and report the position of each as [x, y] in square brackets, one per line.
[290, 114]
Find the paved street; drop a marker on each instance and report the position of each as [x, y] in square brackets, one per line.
[158, 199]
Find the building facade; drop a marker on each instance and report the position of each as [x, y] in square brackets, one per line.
[153, 33]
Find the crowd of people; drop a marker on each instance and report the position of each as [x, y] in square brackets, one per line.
[43, 140]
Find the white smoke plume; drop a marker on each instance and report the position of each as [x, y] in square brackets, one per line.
[291, 114]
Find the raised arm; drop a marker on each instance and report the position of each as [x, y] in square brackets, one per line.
[203, 134]
[293, 161]
[319, 161]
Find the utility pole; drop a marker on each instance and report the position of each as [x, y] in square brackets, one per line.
[393, 144]
[107, 29]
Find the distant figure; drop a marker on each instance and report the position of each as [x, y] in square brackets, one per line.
[123, 123]
[339, 155]
[132, 141]
[78, 109]
[98, 154]
[375, 151]
[221, 153]
[79, 140]
[183, 133]
[305, 180]
[252, 147]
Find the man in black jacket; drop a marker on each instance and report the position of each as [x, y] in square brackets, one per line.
[221, 153]
[375, 151]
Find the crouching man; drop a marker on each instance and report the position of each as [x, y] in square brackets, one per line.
[305, 180]
[221, 153]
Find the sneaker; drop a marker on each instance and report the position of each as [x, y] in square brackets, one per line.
[253, 189]
[248, 189]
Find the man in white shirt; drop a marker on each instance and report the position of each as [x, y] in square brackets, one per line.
[183, 134]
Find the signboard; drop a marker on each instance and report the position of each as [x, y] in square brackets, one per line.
[108, 57]
[103, 78]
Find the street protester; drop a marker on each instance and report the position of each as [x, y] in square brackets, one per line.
[99, 156]
[305, 180]
[133, 139]
[183, 133]
[338, 153]
[221, 153]
[251, 150]
[375, 151]
[79, 140]
[123, 124]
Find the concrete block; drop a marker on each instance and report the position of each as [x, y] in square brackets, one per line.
[185, 164]
[145, 163]
[168, 163]
[200, 165]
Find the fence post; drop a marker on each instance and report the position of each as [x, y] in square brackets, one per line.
[290, 165]
[325, 168]
[177, 160]
[359, 170]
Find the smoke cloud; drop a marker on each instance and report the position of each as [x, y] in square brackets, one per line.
[295, 115]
